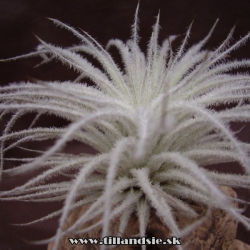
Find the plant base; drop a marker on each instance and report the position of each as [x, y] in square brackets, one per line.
[217, 232]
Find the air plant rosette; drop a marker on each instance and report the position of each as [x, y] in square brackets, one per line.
[155, 125]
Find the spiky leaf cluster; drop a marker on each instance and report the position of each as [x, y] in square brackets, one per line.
[153, 123]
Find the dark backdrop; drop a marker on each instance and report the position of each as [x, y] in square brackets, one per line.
[21, 19]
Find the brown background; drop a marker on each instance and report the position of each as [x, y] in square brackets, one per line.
[103, 19]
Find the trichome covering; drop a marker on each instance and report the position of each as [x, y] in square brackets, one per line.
[155, 123]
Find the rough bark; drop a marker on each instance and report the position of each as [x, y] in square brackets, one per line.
[217, 232]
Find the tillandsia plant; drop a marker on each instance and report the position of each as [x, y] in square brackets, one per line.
[155, 124]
